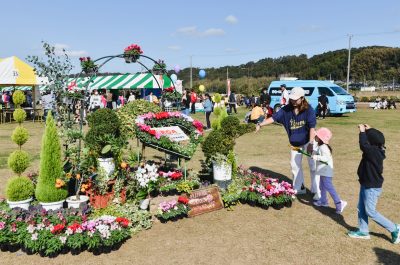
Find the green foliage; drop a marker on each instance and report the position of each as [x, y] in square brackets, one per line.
[247, 128]
[18, 98]
[19, 115]
[18, 161]
[231, 159]
[20, 135]
[220, 114]
[104, 133]
[55, 66]
[19, 189]
[128, 113]
[217, 142]
[230, 126]
[50, 165]
[217, 98]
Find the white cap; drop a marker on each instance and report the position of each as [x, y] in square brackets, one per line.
[296, 93]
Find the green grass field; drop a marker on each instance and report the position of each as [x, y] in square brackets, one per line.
[302, 234]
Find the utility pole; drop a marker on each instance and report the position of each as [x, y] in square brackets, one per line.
[348, 64]
[191, 72]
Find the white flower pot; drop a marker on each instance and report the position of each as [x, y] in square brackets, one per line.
[21, 204]
[222, 174]
[107, 164]
[52, 205]
[73, 203]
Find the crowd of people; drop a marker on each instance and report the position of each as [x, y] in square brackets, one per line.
[384, 104]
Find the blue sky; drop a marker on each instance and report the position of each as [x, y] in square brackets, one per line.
[216, 33]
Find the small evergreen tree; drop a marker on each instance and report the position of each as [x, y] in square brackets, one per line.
[48, 188]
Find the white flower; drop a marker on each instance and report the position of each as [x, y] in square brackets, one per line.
[34, 236]
[30, 229]
[63, 239]
[69, 232]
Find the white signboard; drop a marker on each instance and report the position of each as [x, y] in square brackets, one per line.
[173, 132]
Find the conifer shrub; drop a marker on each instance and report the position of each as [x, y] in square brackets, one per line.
[18, 161]
[19, 189]
[19, 115]
[50, 165]
[230, 126]
[20, 135]
[18, 98]
[217, 142]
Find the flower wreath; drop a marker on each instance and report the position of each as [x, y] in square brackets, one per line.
[147, 135]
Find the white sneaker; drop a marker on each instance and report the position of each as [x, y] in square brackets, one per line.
[340, 209]
[301, 192]
[317, 197]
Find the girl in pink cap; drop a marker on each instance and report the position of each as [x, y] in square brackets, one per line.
[324, 168]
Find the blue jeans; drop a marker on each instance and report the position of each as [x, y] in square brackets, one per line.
[367, 208]
[326, 185]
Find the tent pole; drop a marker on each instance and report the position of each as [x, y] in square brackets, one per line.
[34, 102]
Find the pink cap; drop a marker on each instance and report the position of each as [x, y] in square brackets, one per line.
[324, 134]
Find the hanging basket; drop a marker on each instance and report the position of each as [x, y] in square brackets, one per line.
[131, 58]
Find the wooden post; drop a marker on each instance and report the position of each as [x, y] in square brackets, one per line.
[143, 149]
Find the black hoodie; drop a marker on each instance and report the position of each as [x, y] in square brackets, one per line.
[371, 165]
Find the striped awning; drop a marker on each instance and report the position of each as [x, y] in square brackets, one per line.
[125, 81]
[23, 88]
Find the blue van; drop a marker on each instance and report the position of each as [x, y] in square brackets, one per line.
[340, 101]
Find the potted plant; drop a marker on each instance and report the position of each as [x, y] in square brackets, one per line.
[19, 192]
[19, 189]
[88, 66]
[146, 177]
[104, 139]
[173, 210]
[132, 53]
[218, 149]
[50, 189]
[159, 67]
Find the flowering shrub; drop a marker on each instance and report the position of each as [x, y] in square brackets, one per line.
[258, 189]
[171, 95]
[144, 131]
[147, 178]
[50, 233]
[173, 210]
[159, 66]
[172, 182]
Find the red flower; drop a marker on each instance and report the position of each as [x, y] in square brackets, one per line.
[162, 115]
[251, 189]
[152, 132]
[122, 221]
[269, 187]
[244, 188]
[183, 200]
[57, 229]
[74, 227]
[176, 175]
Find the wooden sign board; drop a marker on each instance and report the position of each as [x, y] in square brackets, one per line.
[204, 201]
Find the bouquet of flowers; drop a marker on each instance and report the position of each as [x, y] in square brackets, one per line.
[173, 210]
[133, 49]
[171, 95]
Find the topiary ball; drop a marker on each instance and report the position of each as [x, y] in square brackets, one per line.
[217, 142]
[18, 97]
[19, 115]
[230, 126]
[20, 135]
[19, 189]
[18, 161]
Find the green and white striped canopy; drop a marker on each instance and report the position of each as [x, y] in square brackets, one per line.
[23, 88]
[125, 81]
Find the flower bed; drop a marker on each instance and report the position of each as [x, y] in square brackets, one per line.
[173, 183]
[52, 233]
[257, 189]
[145, 132]
[173, 210]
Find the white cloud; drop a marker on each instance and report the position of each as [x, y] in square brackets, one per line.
[175, 47]
[59, 47]
[231, 19]
[194, 32]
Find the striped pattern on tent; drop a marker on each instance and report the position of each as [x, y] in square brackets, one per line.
[125, 81]
[23, 88]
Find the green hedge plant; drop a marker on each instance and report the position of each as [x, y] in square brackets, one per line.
[19, 115]
[19, 189]
[50, 165]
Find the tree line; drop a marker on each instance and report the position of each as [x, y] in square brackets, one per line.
[372, 63]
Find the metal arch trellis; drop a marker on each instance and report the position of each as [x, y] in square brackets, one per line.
[94, 73]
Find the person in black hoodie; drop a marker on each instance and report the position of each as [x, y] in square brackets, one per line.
[372, 145]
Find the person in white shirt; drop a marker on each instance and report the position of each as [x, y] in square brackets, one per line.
[284, 95]
[95, 101]
[324, 169]
[131, 97]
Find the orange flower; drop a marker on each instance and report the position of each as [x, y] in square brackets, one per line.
[124, 165]
[78, 176]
